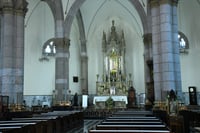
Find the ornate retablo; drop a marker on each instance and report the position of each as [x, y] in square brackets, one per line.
[114, 80]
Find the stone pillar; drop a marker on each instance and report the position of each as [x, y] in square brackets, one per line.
[12, 48]
[62, 68]
[84, 74]
[84, 68]
[177, 65]
[156, 48]
[163, 47]
[147, 39]
[21, 9]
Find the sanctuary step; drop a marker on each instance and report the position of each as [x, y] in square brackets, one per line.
[131, 121]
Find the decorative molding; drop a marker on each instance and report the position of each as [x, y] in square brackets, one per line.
[18, 7]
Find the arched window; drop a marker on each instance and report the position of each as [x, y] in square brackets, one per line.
[49, 49]
[183, 43]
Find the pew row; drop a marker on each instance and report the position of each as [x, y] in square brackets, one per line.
[51, 122]
[131, 127]
[128, 131]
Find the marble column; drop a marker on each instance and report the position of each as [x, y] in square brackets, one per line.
[12, 48]
[163, 34]
[62, 68]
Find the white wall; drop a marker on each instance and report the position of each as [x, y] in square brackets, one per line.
[188, 12]
[38, 76]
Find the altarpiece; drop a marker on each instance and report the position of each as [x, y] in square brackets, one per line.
[114, 81]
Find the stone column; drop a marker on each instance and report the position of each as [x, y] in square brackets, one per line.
[147, 39]
[12, 49]
[163, 47]
[156, 48]
[21, 9]
[62, 68]
[177, 65]
[84, 68]
[7, 56]
[84, 74]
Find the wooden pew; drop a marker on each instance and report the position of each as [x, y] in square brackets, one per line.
[19, 128]
[131, 123]
[45, 124]
[131, 127]
[51, 122]
[128, 131]
[135, 119]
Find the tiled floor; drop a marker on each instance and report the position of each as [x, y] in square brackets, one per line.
[88, 124]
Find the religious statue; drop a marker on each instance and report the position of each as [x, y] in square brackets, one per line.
[172, 102]
[112, 90]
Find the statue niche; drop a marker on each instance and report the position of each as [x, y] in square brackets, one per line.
[114, 80]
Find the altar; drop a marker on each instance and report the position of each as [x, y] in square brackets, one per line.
[119, 101]
[113, 82]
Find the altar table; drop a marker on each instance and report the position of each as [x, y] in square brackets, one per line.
[104, 98]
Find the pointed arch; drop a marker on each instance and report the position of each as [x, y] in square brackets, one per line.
[56, 8]
[77, 4]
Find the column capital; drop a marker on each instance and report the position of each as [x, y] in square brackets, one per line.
[155, 3]
[171, 2]
[62, 42]
[7, 6]
[84, 56]
[147, 38]
[11, 6]
[21, 7]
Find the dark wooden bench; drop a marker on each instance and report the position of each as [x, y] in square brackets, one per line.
[52, 122]
[130, 127]
[48, 124]
[19, 127]
[131, 123]
[132, 119]
[128, 131]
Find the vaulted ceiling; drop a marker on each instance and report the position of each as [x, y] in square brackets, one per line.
[98, 13]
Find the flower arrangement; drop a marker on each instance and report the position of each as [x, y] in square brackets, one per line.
[109, 103]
